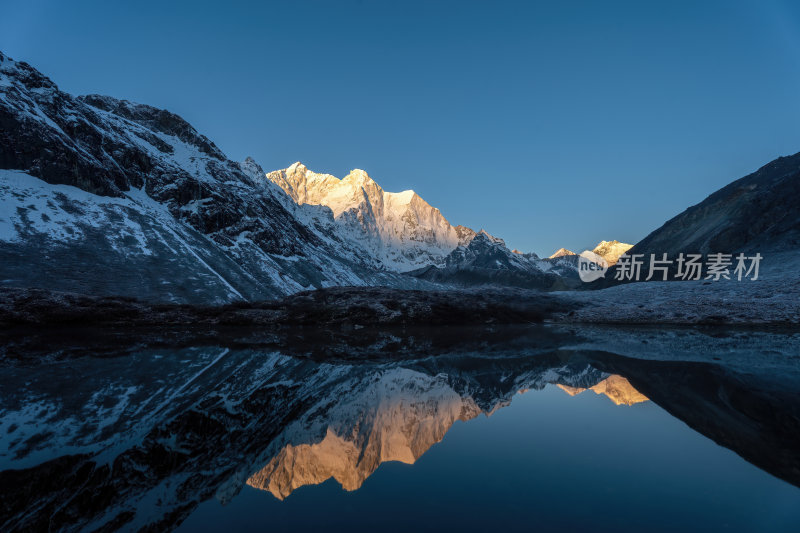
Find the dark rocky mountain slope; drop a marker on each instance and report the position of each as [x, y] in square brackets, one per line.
[104, 196]
[759, 212]
[487, 261]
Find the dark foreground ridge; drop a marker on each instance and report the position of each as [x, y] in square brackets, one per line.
[344, 308]
[339, 306]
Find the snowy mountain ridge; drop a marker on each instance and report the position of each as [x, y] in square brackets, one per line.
[401, 230]
[187, 224]
[103, 196]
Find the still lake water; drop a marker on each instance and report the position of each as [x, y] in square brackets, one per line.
[545, 429]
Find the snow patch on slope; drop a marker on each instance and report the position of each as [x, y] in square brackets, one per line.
[30, 206]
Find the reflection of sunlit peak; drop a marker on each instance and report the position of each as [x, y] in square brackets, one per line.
[311, 464]
[497, 406]
[572, 391]
[397, 430]
[615, 387]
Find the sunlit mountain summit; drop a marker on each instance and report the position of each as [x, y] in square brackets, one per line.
[399, 228]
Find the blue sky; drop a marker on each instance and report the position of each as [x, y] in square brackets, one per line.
[548, 124]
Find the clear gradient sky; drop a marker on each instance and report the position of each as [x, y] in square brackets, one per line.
[550, 124]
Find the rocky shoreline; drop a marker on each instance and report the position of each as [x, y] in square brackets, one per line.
[340, 306]
[344, 308]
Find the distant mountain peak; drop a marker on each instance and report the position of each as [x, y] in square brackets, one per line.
[489, 237]
[359, 174]
[561, 252]
[611, 250]
[608, 250]
[250, 167]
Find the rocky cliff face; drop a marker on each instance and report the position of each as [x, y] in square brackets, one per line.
[401, 230]
[107, 197]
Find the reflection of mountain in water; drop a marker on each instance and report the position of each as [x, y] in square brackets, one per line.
[408, 413]
[141, 439]
[396, 417]
[617, 388]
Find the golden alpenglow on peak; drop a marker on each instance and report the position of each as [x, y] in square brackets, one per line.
[615, 387]
[611, 250]
[399, 428]
[400, 230]
[561, 252]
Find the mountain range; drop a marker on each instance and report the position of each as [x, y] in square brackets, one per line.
[107, 197]
[103, 196]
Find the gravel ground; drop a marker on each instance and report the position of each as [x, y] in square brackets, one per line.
[774, 299]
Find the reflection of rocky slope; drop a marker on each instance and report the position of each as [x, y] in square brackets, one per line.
[616, 387]
[121, 448]
[756, 414]
[408, 413]
[133, 450]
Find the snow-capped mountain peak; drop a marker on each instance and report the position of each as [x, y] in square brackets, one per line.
[400, 229]
[135, 189]
[491, 238]
[608, 250]
[561, 252]
[611, 250]
[94, 183]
